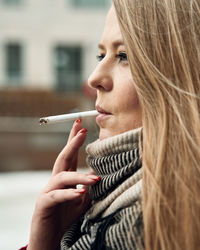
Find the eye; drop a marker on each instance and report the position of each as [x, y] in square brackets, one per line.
[122, 56]
[100, 57]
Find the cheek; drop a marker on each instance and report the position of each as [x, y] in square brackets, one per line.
[125, 85]
[128, 94]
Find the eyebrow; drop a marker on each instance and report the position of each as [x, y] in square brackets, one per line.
[115, 44]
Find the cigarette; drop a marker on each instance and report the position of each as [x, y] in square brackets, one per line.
[67, 117]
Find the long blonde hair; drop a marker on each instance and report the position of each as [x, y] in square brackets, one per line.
[162, 38]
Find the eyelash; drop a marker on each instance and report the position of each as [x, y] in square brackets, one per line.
[122, 57]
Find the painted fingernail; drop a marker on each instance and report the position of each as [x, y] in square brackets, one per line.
[78, 120]
[83, 130]
[95, 178]
[80, 190]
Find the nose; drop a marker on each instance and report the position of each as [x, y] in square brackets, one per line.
[101, 78]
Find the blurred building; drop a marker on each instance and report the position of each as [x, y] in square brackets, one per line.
[47, 51]
[49, 44]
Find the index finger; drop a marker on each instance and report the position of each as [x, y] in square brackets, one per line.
[66, 160]
[75, 128]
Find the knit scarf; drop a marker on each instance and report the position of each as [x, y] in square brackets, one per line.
[117, 161]
[114, 160]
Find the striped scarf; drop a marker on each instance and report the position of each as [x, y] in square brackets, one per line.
[114, 220]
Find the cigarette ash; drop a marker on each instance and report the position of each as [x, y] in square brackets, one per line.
[42, 121]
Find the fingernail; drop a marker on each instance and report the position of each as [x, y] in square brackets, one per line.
[78, 120]
[95, 178]
[80, 191]
[83, 130]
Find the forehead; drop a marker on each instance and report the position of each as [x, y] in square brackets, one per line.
[111, 29]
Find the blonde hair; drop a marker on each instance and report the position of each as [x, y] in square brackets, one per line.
[162, 38]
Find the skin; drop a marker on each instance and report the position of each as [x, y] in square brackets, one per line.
[113, 81]
[60, 203]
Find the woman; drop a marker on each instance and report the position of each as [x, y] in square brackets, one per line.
[60, 203]
[158, 88]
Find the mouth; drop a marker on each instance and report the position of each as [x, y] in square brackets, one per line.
[102, 111]
[102, 116]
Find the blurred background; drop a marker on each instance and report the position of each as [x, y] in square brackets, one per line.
[48, 49]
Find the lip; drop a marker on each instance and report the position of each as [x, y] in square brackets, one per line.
[103, 114]
[102, 111]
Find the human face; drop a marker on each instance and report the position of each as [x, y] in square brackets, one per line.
[117, 100]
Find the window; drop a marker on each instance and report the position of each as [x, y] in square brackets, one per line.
[67, 60]
[13, 63]
[12, 2]
[89, 3]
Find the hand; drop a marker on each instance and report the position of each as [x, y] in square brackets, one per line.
[60, 203]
